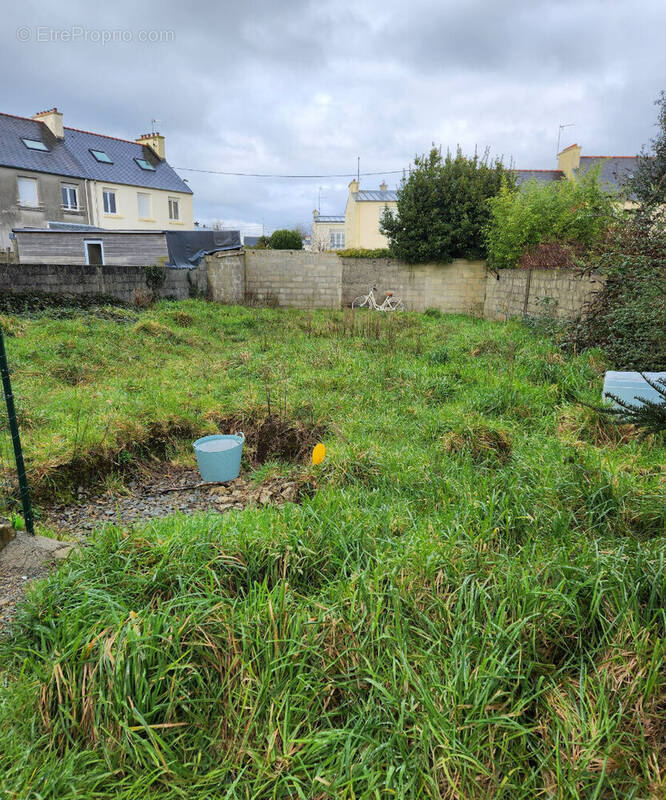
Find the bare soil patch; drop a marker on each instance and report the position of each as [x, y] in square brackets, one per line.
[164, 490]
[24, 558]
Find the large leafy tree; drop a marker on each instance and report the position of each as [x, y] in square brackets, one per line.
[443, 207]
[648, 184]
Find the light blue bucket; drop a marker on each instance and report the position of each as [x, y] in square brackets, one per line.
[219, 456]
[629, 386]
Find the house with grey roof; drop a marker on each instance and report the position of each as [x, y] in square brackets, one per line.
[53, 174]
[614, 171]
[363, 213]
[328, 231]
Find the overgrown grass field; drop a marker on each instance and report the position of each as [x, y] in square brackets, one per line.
[471, 604]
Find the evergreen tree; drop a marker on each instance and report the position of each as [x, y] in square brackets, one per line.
[442, 207]
[648, 416]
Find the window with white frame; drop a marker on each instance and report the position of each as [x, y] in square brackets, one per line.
[70, 196]
[174, 210]
[109, 197]
[337, 240]
[144, 205]
[27, 192]
[94, 250]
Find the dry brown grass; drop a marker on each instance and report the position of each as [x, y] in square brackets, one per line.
[480, 442]
[582, 424]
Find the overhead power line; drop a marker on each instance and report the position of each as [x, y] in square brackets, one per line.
[267, 175]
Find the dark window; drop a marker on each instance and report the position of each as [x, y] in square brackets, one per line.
[94, 254]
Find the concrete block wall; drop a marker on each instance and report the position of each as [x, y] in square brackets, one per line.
[388, 275]
[560, 292]
[299, 279]
[293, 278]
[81, 279]
[225, 272]
[452, 288]
[456, 288]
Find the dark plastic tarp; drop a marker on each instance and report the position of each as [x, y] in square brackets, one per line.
[187, 248]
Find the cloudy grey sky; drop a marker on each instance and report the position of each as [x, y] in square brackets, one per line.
[304, 86]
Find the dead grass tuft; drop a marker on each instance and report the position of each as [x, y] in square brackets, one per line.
[182, 318]
[153, 328]
[480, 442]
[586, 425]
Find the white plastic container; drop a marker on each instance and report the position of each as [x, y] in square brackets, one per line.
[628, 386]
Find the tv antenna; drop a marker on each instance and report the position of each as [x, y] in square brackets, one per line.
[559, 133]
[153, 123]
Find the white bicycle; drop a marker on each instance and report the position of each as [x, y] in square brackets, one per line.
[390, 303]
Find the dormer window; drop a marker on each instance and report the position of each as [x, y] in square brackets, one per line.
[145, 164]
[35, 144]
[101, 156]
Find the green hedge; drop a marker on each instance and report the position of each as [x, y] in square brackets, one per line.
[364, 252]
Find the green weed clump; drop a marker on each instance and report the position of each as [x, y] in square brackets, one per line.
[470, 603]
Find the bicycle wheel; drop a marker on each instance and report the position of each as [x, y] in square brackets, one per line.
[395, 304]
[360, 302]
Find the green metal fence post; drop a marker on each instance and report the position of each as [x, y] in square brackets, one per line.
[16, 439]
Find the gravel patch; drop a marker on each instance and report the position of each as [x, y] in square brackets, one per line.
[165, 491]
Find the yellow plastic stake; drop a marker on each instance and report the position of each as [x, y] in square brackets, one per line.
[318, 454]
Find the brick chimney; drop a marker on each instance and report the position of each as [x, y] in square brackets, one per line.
[382, 186]
[156, 143]
[53, 121]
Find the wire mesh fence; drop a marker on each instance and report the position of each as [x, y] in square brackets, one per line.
[14, 488]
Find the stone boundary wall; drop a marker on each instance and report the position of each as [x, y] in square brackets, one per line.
[561, 293]
[109, 280]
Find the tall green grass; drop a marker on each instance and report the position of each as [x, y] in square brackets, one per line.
[470, 606]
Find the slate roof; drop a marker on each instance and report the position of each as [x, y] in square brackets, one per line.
[330, 218]
[615, 170]
[540, 175]
[375, 196]
[71, 156]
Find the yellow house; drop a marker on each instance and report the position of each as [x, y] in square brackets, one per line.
[363, 213]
